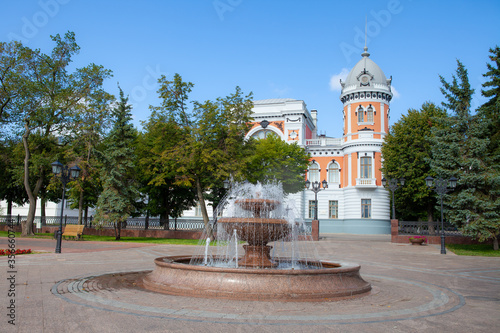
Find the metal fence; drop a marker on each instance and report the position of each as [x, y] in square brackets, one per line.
[426, 228]
[137, 223]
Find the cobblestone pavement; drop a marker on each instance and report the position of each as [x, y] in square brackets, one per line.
[93, 287]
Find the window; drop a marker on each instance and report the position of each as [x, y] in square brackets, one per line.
[369, 114]
[333, 209]
[262, 134]
[312, 208]
[333, 173]
[360, 114]
[313, 172]
[365, 167]
[366, 208]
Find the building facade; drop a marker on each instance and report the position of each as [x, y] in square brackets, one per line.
[355, 200]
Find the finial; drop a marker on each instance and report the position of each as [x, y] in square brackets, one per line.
[366, 54]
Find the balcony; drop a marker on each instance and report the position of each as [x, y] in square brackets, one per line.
[366, 182]
[324, 142]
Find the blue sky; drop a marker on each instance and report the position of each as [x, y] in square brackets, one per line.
[276, 49]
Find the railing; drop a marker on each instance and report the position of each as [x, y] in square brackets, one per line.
[132, 222]
[324, 142]
[427, 228]
[366, 182]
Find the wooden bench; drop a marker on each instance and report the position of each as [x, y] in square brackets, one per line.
[73, 230]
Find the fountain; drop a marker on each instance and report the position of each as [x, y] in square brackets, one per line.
[288, 270]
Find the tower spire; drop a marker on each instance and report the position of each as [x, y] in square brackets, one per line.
[365, 53]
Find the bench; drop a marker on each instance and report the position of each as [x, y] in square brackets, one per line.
[73, 230]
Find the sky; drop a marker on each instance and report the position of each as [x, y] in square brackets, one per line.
[274, 49]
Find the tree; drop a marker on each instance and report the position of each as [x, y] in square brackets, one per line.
[489, 115]
[120, 189]
[91, 122]
[406, 153]
[40, 97]
[274, 159]
[158, 175]
[213, 146]
[460, 149]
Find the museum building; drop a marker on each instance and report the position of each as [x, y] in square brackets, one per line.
[355, 200]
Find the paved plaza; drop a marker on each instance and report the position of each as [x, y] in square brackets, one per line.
[92, 287]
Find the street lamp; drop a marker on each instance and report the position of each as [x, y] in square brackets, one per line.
[393, 186]
[65, 174]
[442, 186]
[316, 187]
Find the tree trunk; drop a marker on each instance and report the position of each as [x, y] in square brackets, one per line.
[118, 229]
[43, 214]
[27, 228]
[86, 215]
[165, 221]
[80, 208]
[9, 207]
[495, 243]
[204, 213]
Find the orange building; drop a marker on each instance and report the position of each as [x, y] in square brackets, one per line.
[354, 201]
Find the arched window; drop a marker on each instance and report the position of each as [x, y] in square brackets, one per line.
[262, 134]
[369, 114]
[333, 173]
[313, 172]
[360, 114]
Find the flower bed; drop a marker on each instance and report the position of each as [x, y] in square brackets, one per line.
[417, 240]
[19, 251]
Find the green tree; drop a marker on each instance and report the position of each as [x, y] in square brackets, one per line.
[406, 153]
[213, 147]
[117, 164]
[91, 121]
[158, 175]
[274, 159]
[460, 149]
[40, 97]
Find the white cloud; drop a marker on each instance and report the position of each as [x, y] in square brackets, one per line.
[395, 93]
[335, 79]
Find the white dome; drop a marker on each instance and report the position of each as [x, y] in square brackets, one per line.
[366, 75]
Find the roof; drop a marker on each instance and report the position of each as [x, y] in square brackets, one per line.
[366, 75]
[275, 101]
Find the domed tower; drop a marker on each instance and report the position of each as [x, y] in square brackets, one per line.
[366, 94]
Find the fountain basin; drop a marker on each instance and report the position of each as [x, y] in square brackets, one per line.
[173, 275]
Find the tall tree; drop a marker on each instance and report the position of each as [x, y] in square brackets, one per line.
[117, 166]
[213, 147]
[158, 175]
[91, 122]
[407, 151]
[489, 116]
[274, 159]
[460, 149]
[42, 101]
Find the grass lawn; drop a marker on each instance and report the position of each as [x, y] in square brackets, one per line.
[122, 239]
[483, 250]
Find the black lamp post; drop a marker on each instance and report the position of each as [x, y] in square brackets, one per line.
[316, 187]
[393, 185]
[442, 186]
[65, 174]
